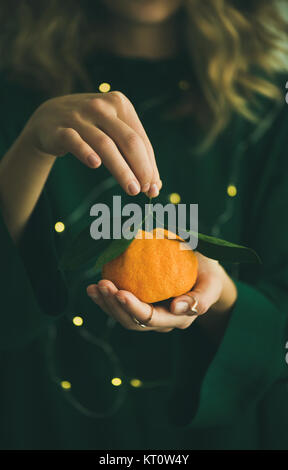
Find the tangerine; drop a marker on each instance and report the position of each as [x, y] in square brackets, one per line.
[154, 268]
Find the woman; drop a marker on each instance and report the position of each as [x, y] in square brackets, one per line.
[205, 81]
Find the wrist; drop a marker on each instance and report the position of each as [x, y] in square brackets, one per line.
[215, 321]
[228, 294]
[26, 142]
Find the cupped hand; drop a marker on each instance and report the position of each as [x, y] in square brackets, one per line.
[214, 290]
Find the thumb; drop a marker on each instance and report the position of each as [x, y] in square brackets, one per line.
[204, 294]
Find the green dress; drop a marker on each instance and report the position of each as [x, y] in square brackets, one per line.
[178, 390]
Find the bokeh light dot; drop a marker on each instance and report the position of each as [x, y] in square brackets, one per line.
[136, 383]
[232, 190]
[174, 198]
[116, 381]
[77, 321]
[59, 227]
[65, 384]
[104, 87]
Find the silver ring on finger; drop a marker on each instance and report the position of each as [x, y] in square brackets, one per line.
[138, 322]
[144, 325]
[194, 306]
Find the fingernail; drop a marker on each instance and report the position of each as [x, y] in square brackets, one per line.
[154, 191]
[93, 161]
[104, 291]
[181, 307]
[145, 187]
[133, 188]
[120, 299]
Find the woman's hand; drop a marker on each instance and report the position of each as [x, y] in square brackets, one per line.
[214, 291]
[95, 128]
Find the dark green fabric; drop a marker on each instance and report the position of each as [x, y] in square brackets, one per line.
[195, 395]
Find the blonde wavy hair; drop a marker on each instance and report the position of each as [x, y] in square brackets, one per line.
[237, 48]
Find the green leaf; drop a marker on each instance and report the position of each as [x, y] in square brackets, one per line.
[225, 251]
[116, 248]
[83, 249]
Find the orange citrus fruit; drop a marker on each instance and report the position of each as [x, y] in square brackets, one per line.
[153, 268]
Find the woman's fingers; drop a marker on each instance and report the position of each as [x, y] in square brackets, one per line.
[103, 295]
[161, 317]
[204, 294]
[132, 148]
[98, 127]
[132, 119]
[123, 306]
[71, 142]
[111, 158]
[114, 114]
